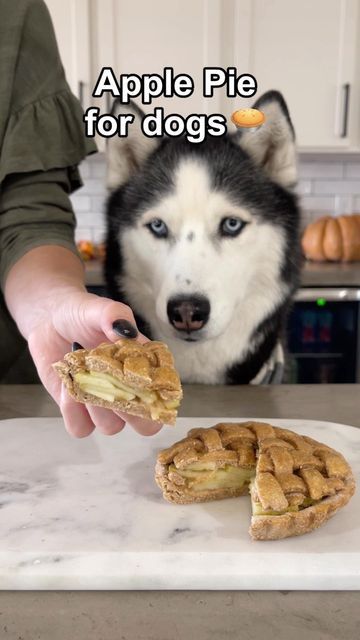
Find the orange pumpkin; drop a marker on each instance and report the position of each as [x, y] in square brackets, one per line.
[333, 239]
[86, 249]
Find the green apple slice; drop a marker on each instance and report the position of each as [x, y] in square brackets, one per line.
[208, 479]
[104, 386]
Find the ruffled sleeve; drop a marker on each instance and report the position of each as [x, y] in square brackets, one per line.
[41, 121]
[42, 135]
[46, 134]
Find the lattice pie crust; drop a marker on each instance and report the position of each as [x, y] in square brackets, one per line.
[126, 376]
[296, 483]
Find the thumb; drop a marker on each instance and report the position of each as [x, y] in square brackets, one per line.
[86, 318]
[117, 321]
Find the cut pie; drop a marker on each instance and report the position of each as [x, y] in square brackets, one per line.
[139, 379]
[295, 483]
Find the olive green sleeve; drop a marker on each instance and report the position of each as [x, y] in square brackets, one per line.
[41, 124]
[35, 210]
[42, 138]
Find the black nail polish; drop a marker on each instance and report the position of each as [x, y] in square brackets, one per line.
[76, 346]
[125, 329]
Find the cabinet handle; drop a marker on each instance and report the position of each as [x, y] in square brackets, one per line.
[81, 92]
[346, 90]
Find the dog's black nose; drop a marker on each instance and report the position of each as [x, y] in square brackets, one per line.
[188, 313]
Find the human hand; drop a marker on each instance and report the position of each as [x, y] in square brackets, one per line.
[78, 316]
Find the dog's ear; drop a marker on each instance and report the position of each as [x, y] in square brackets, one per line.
[272, 145]
[125, 155]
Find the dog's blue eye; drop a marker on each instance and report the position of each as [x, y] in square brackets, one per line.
[231, 226]
[158, 228]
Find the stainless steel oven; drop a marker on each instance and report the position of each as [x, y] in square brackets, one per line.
[323, 336]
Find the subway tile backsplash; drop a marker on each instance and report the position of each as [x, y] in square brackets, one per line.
[327, 185]
[89, 201]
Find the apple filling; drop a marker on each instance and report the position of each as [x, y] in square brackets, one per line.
[258, 509]
[204, 476]
[106, 387]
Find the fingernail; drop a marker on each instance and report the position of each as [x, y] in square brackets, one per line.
[125, 329]
[76, 346]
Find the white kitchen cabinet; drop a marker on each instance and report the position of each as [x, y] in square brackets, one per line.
[309, 51]
[72, 29]
[145, 37]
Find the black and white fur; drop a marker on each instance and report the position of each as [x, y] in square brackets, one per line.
[249, 279]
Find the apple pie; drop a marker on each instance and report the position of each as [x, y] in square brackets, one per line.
[295, 482]
[126, 376]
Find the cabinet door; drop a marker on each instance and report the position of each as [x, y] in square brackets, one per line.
[183, 34]
[71, 24]
[307, 50]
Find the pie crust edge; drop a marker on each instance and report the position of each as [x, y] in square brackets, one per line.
[123, 406]
[299, 522]
[264, 527]
[74, 362]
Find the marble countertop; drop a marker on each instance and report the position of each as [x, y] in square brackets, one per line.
[313, 274]
[87, 514]
[195, 611]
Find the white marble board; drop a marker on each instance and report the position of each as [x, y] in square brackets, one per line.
[86, 514]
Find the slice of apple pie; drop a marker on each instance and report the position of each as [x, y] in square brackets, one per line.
[139, 379]
[295, 483]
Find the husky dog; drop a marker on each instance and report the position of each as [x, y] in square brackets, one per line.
[202, 243]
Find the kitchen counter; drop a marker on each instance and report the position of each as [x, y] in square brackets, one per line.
[94, 273]
[330, 274]
[313, 275]
[201, 614]
[333, 402]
